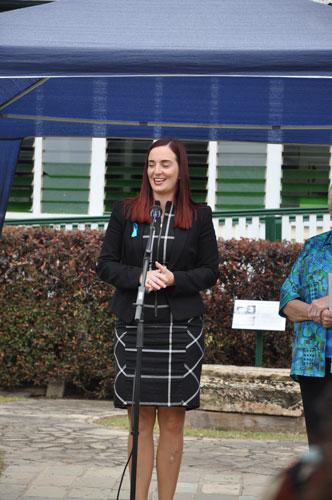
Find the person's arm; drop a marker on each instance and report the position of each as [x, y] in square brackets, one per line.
[206, 271]
[316, 308]
[296, 310]
[110, 268]
[292, 302]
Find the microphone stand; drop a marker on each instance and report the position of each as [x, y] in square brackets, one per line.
[155, 213]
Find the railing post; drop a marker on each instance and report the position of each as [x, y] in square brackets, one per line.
[272, 228]
[259, 349]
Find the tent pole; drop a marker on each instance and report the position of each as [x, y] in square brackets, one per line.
[157, 124]
[24, 92]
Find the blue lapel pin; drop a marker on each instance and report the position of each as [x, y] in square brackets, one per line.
[134, 233]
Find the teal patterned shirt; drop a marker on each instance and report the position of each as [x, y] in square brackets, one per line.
[308, 280]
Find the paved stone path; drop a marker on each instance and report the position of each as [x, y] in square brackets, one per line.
[54, 450]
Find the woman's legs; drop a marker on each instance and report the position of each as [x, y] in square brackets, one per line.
[312, 390]
[145, 455]
[169, 454]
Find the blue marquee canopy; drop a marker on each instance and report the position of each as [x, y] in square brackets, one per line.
[250, 70]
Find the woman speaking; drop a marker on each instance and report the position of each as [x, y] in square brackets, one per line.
[184, 262]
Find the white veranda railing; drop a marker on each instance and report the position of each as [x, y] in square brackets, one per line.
[285, 224]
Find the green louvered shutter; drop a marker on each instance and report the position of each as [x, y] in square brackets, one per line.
[125, 162]
[240, 175]
[198, 169]
[124, 166]
[66, 175]
[20, 199]
[305, 175]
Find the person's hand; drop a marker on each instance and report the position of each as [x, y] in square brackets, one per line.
[326, 318]
[316, 308]
[153, 281]
[166, 275]
[158, 278]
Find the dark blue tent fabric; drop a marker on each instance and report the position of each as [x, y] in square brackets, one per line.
[8, 159]
[258, 66]
[89, 37]
[246, 70]
[272, 110]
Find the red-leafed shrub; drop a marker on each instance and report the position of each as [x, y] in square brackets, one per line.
[55, 321]
[249, 270]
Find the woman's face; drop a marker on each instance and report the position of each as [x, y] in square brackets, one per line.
[163, 172]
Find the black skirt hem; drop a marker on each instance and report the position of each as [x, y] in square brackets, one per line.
[165, 405]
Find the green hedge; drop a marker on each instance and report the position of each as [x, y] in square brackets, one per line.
[55, 321]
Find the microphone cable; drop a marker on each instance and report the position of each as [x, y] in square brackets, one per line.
[123, 473]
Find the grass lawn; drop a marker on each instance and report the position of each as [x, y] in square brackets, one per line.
[122, 423]
[8, 399]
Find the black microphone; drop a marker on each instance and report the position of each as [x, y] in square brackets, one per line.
[155, 212]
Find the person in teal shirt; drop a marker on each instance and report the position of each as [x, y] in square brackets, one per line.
[304, 300]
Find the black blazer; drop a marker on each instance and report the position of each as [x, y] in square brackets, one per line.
[193, 261]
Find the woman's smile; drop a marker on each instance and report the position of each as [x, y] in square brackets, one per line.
[158, 181]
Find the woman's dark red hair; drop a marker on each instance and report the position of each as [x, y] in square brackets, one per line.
[137, 209]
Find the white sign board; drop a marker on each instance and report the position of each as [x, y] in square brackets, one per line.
[257, 315]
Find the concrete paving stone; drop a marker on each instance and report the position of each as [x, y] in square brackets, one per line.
[182, 496]
[47, 479]
[265, 471]
[202, 496]
[94, 482]
[222, 489]
[229, 478]
[253, 481]
[186, 487]
[153, 485]
[11, 492]
[255, 489]
[190, 476]
[15, 478]
[45, 492]
[90, 493]
[26, 468]
[123, 490]
[65, 469]
[35, 498]
[113, 472]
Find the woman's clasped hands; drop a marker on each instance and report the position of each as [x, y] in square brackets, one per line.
[326, 318]
[158, 278]
[319, 312]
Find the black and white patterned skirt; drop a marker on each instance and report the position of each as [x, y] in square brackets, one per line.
[172, 359]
